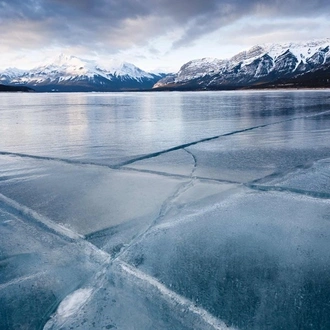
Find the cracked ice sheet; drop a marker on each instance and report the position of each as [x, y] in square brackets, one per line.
[255, 154]
[192, 195]
[177, 162]
[107, 128]
[256, 260]
[313, 180]
[85, 199]
[38, 268]
[129, 299]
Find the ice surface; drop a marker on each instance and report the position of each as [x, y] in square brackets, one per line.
[39, 267]
[165, 210]
[256, 260]
[254, 154]
[84, 199]
[130, 299]
[110, 128]
[178, 162]
[313, 180]
[73, 302]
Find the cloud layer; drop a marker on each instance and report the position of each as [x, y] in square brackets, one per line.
[115, 25]
[121, 23]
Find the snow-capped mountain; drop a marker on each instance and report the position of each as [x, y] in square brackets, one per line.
[9, 74]
[70, 73]
[262, 64]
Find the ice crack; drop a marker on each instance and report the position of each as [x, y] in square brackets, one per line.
[189, 144]
[175, 298]
[167, 205]
[195, 161]
[41, 220]
[161, 152]
[315, 194]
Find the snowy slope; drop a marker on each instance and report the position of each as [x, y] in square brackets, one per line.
[73, 74]
[261, 63]
[9, 74]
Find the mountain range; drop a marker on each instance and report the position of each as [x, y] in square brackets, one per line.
[290, 65]
[72, 74]
[263, 66]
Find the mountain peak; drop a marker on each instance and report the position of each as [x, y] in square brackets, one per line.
[251, 53]
[81, 74]
[257, 65]
[66, 60]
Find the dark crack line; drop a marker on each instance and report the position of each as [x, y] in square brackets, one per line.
[314, 194]
[154, 154]
[194, 159]
[281, 174]
[181, 189]
[189, 144]
[56, 159]
[128, 169]
[165, 207]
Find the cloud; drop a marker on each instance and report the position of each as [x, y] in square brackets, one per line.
[247, 33]
[114, 25]
[223, 13]
[71, 22]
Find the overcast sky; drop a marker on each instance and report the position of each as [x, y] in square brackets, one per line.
[152, 34]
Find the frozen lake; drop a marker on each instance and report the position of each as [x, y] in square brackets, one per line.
[204, 210]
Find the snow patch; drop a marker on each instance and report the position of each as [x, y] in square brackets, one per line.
[72, 303]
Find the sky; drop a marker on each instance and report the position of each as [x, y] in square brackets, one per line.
[155, 35]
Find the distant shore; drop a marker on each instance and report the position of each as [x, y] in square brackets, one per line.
[24, 89]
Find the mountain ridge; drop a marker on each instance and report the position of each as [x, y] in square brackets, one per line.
[271, 65]
[260, 65]
[69, 73]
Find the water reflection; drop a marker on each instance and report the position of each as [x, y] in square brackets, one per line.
[110, 127]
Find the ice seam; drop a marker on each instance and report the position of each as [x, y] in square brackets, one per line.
[175, 298]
